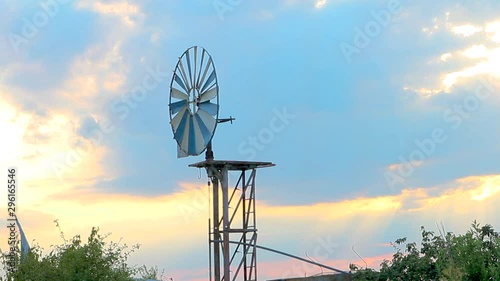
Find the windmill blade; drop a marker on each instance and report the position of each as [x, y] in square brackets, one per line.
[206, 132]
[179, 81]
[176, 121]
[201, 67]
[178, 94]
[189, 67]
[210, 94]
[183, 134]
[207, 67]
[177, 106]
[196, 141]
[180, 153]
[184, 76]
[210, 108]
[179, 124]
[209, 80]
[207, 120]
[195, 64]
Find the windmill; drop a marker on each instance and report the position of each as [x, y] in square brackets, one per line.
[194, 115]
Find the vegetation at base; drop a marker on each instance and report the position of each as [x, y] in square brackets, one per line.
[473, 256]
[78, 261]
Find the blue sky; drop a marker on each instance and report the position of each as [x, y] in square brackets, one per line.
[386, 116]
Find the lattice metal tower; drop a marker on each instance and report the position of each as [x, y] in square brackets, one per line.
[231, 260]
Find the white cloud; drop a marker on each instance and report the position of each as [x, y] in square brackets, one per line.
[476, 51]
[487, 58]
[445, 56]
[493, 30]
[481, 58]
[99, 71]
[466, 30]
[320, 3]
[424, 92]
[488, 66]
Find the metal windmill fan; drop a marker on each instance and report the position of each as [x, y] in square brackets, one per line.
[194, 101]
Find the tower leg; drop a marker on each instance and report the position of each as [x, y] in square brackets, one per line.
[226, 226]
[216, 232]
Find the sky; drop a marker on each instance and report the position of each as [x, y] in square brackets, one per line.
[381, 117]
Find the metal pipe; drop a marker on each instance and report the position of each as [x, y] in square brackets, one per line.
[295, 257]
[245, 224]
[226, 226]
[209, 252]
[215, 184]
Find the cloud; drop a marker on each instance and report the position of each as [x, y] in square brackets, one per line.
[488, 187]
[493, 31]
[488, 65]
[466, 30]
[394, 167]
[476, 51]
[444, 68]
[483, 60]
[35, 140]
[129, 14]
[466, 190]
[96, 75]
[333, 210]
[52, 126]
[445, 56]
[320, 4]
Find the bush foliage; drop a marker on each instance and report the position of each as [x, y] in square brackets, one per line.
[472, 256]
[78, 261]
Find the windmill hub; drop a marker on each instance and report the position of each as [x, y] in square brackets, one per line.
[194, 100]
